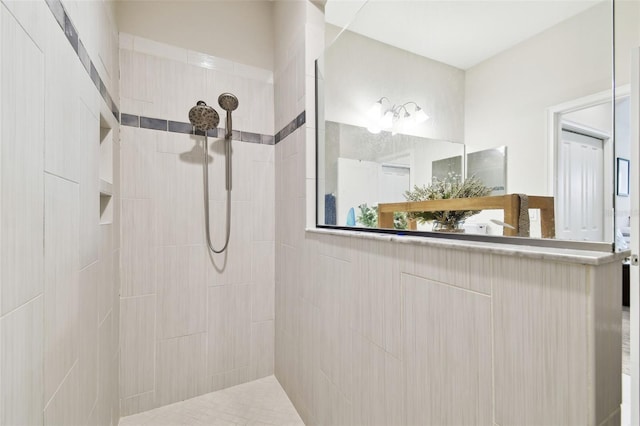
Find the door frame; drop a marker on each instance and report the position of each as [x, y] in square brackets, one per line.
[554, 133]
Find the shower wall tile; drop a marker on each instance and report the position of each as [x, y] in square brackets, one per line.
[234, 266]
[455, 378]
[115, 296]
[22, 133]
[262, 301]
[184, 85]
[211, 62]
[152, 47]
[393, 300]
[181, 362]
[62, 408]
[372, 274]
[262, 349]
[107, 280]
[521, 291]
[49, 213]
[262, 281]
[61, 286]
[137, 334]
[89, 281]
[166, 81]
[33, 19]
[369, 377]
[138, 162]
[107, 372]
[466, 270]
[182, 291]
[242, 167]
[138, 403]
[88, 133]
[22, 366]
[263, 185]
[229, 328]
[606, 343]
[63, 153]
[177, 201]
[96, 25]
[229, 378]
[188, 146]
[138, 254]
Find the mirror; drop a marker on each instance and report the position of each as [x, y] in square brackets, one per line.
[517, 95]
[364, 169]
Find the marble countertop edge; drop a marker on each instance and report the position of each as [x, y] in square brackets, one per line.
[586, 257]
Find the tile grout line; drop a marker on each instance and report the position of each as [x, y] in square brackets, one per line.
[62, 382]
[446, 284]
[22, 305]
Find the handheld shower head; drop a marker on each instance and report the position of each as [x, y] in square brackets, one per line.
[203, 117]
[228, 102]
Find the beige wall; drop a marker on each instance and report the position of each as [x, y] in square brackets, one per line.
[351, 86]
[241, 31]
[506, 97]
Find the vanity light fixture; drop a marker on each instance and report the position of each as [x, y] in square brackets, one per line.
[393, 117]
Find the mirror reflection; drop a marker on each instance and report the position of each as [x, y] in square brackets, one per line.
[421, 101]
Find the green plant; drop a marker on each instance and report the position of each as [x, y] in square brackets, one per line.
[443, 189]
[368, 217]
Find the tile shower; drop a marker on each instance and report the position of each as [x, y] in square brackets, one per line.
[123, 310]
[192, 322]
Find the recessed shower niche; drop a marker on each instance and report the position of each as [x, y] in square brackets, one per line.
[106, 172]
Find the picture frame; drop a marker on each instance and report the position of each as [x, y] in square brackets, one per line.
[622, 181]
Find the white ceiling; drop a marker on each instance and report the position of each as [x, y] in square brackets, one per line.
[459, 33]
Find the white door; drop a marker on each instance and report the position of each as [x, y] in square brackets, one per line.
[394, 181]
[357, 184]
[580, 188]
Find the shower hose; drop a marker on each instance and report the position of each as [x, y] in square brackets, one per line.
[227, 147]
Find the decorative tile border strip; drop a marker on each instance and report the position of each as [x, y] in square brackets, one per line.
[291, 127]
[132, 120]
[186, 128]
[62, 17]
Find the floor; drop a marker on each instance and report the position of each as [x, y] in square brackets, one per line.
[264, 402]
[261, 402]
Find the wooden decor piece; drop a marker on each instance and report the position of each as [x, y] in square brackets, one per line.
[509, 203]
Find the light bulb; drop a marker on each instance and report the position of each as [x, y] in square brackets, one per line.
[420, 115]
[387, 120]
[376, 109]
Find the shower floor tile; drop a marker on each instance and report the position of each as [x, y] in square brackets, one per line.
[261, 402]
